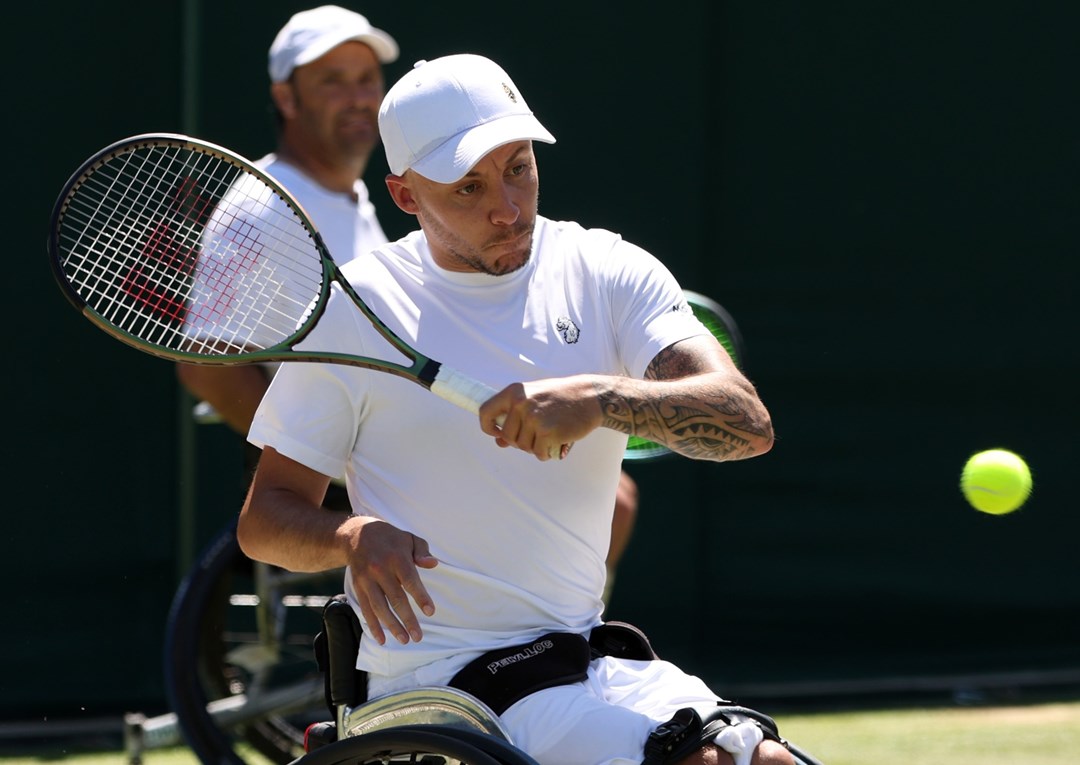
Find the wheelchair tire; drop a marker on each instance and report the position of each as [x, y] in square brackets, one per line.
[419, 743]
[205, 625]
[505, 752]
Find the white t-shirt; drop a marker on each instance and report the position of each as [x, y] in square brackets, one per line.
[348, 226]
[521, 543]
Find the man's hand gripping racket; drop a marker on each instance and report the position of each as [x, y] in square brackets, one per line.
[185, 250]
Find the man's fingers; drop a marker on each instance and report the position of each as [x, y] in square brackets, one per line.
[388, 604]
[385, 607]
[419, 594]
[407, 626]
[413, 584]
[422, 556]
[521, 432]
[374, 628]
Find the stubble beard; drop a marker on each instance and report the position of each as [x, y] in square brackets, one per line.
[465, 257]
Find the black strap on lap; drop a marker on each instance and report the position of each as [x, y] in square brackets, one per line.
[504, 676]
[498, 678]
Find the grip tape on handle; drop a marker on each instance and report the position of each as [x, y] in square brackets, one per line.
[461, 390]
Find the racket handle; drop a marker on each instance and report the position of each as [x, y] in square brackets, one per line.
[461, 390]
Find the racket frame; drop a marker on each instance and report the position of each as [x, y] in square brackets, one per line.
[422, 369]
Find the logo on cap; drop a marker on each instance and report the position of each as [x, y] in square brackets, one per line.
[509, 92]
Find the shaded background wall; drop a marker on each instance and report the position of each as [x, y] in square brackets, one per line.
[882, 193]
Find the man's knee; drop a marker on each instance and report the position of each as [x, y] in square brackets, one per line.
[767, 753]
[772, 753]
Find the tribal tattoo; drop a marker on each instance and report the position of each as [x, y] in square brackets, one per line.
[702, 423]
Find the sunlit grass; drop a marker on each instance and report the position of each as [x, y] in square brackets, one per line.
[1044, 734]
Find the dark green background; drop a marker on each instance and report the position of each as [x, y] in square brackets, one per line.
[883, 194]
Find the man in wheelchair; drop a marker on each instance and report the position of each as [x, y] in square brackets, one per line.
[476, 549]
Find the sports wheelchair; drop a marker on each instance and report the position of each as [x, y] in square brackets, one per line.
[432, 725]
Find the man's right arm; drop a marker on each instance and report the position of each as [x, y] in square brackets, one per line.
[283, 523]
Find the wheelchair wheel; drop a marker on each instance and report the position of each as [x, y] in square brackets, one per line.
[427, 744]
[239, 668]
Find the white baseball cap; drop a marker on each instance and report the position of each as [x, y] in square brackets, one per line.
[311, 34]
[445, 115]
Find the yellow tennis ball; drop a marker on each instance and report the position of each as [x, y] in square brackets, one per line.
[996, 481]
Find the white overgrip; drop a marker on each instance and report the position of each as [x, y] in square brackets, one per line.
[461, 390]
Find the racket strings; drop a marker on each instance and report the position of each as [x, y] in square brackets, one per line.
[250, 282]
[106, 220]
[184, 249]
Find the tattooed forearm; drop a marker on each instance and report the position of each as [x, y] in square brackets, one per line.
[696, 413]
[683, 424]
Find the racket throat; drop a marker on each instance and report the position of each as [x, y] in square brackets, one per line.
[428, 372]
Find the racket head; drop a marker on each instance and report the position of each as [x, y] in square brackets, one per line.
[722, 326]
[185, 250]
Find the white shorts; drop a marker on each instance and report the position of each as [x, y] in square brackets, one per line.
[603, 720]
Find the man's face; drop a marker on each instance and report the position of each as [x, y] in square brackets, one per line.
[484, 222]
[336, 101]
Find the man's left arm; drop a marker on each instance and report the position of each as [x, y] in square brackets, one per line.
[694, 400]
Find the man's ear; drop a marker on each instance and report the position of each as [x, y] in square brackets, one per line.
[402, 195]
[284, 98]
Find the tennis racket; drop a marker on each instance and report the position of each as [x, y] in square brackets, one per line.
[185, 250]
[722, 326]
